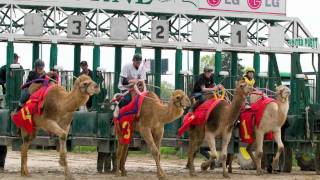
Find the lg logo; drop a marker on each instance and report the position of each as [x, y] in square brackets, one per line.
[254, 4]
[214, 3]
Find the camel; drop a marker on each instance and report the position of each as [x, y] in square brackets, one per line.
[56, 118]
[274, 117]
[219, 124]
[153, 116]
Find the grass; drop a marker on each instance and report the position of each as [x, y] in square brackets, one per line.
[84, 149]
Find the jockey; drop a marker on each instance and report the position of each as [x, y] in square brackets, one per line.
[130, 74]
[249, 78]
[204, 84]
[37, 73]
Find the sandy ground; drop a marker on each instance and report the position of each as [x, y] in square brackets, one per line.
[43, 165]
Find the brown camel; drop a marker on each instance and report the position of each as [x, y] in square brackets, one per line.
[220, 124]
[153, 116]
[274, 117]
[56, 118]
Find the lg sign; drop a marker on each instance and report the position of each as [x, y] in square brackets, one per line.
[253, 4]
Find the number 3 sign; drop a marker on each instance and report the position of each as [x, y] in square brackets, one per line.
[160, 31]
[76, 26]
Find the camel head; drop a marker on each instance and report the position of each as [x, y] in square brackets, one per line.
[243, 89]
[180, 99]
[283, 93]
[86, 85]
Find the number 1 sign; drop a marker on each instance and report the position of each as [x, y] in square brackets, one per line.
[239, 36]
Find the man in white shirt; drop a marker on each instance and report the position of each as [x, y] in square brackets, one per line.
[130, 74]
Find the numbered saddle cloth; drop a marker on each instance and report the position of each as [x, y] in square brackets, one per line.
[200, 116]
[251, 117]
[23, 118]
[126, 117]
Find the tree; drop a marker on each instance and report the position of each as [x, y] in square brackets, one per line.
[226, 62]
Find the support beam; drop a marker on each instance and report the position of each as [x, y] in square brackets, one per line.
[157, 75]
[196, 62]
[178, 68]
[96, 60]
[256, 64]
[318, 82]
[117, 68]
[294, 97]
[218, 66]
[53, 55]
[96, 64]
[234, 68]
[9, 82]
[273, 72]
[35, 52]
[77, 59]
[138, 50]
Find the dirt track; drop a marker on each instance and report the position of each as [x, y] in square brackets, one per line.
[43, 165]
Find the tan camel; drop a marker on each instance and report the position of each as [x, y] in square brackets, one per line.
[274, 117]
[153, 116]
[56, 118]
[220, 124]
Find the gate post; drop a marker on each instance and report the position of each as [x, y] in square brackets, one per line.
[294, 99]
[53, 55]
[9, 82]
[178, 68]
[256, 64]
[234, 68]
[96, 64]
[117, 68]
[318, 83]
[196, 62]
[76, 60]
[157, 77]
[217, 66]
[35, 52]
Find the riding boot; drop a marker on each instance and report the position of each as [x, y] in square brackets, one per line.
[3, 154]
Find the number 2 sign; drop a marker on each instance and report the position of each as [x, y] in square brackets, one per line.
[160, 31]
[76, 26]
[239, 35]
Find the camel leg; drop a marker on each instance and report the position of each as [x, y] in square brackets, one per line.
[259, 151]
[229, 162]
[53, 127]
[119, 157]
[211, 141]
[157, 136]
[225, 142]
[250, 151]
[27, 139]
[196, 135]
[277, 137]
[147, 136]
[124, 155]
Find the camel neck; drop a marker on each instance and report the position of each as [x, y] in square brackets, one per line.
[74, 100]
[171, 113]
[235, 107]
[283, 110]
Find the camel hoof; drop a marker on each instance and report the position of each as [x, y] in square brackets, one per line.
[70, 177]
[226, 175]
[259, 173]
[230, 170]
[164, 177]
[124, 173]
[205, 166]
[193, 173]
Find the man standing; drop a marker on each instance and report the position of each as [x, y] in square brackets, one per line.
[3, 78]
[3, 71]
[88, 72]
[249, 78]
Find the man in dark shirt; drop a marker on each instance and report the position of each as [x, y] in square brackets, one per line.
[204, 84]
[3, 75]
[86, 71]
[37, 73]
